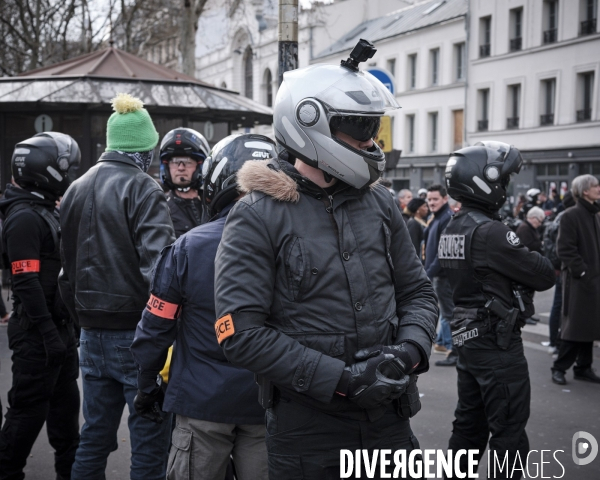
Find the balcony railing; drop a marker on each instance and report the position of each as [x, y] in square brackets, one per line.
[550, 35]
[484, 50]
[515, 44]
[588, 27]
[512, 122]
[584, 115]
[482, 125]
[547, 119]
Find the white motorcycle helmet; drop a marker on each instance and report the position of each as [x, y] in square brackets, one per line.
[532, 194]
[314, 102]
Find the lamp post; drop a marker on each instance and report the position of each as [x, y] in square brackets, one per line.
[288, 36]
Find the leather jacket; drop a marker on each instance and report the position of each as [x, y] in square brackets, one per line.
[114, 222]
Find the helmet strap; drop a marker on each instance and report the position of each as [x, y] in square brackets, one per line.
[184, 189]
[328, 178]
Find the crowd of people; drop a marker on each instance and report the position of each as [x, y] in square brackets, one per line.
[278, 276]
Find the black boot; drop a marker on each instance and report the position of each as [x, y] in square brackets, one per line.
[586, 374]
[558, 377]
[450, 360]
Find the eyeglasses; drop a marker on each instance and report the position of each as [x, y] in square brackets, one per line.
[187, 162]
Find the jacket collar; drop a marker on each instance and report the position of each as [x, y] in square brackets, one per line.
[442, 210]
[279, 179]
[593, 208]
[117, 157]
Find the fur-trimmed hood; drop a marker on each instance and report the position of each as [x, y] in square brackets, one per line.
[268, 177]
[259, 176]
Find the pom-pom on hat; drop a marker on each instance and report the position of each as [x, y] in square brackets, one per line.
[130, 128]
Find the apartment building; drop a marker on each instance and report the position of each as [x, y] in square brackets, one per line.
[519, 71]
[533, 82]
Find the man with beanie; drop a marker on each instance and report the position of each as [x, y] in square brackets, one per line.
[115, 221]
[418, 211]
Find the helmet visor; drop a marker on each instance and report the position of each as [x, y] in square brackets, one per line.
[361, 128]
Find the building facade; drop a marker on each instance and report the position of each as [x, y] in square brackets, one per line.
[533, 82]
[520, 71]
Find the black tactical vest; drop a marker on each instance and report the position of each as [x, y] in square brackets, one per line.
[454, 253]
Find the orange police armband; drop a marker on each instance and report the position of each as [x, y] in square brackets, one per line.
[224, 327]
[163, 309]
[25, 266]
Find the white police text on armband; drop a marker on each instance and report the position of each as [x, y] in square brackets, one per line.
[451, 247]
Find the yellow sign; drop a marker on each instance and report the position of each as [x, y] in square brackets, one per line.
[384, 137]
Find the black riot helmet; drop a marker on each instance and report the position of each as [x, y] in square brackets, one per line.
[183, 142]
[221, 167]
[480, 174]
[41, 163]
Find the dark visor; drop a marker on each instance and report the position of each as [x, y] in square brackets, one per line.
[359, 128]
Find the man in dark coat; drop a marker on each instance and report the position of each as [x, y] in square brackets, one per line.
[437, 200]
[528, 231]
[317, 288]
[578, 248]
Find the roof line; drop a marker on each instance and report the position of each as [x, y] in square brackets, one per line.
[99, 62]
[446, 20]
[123, 64]
[85, 76]
[68, 65]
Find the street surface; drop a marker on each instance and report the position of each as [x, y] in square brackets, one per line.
[557, 413]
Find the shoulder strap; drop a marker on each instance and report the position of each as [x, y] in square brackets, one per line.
[53, 223]
[48, 217]
[479, 217]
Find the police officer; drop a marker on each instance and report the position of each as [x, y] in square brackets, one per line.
[182, 153]
[493, 276]
[318, 289]
[216, 403]
[45, 363]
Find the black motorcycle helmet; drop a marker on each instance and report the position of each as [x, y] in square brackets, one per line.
[480, 174]
[183, 142]
[41, 163]
[220, 169]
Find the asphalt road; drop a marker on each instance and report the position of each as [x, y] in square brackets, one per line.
[557, 413]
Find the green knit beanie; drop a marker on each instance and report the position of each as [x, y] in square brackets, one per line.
[130, 128]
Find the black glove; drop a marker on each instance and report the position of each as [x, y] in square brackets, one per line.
[408, 353]
[376, 381]
[56, 351]
[149, 405]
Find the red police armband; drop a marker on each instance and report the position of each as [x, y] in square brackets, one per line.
[163, 309]
[224, 327]
[25, 266]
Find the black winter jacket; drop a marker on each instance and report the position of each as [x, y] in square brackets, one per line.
[431, 237]
[114, 222]
[33, 257]
[309, 280]
[186, 213]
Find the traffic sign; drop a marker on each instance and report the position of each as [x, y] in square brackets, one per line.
[43, 123]
[384, 77]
